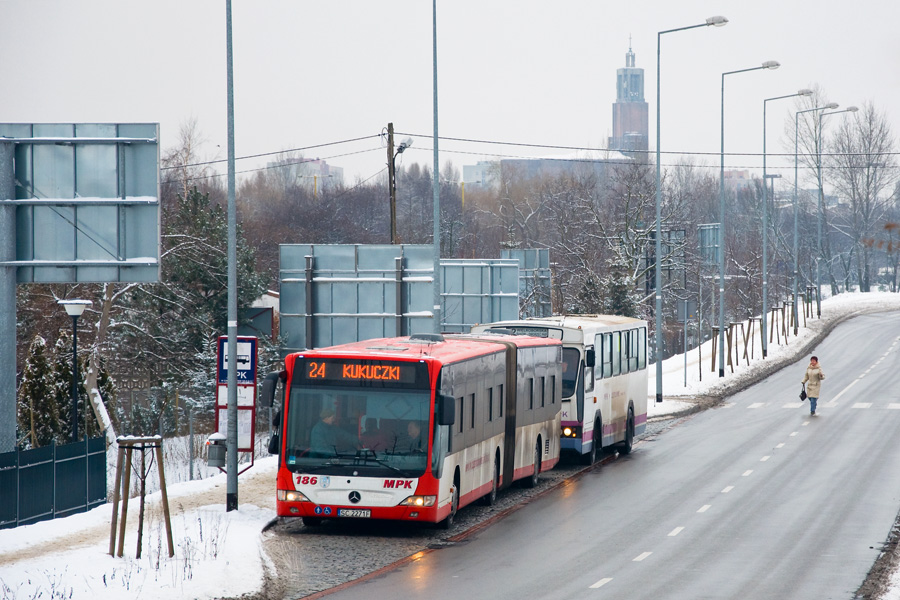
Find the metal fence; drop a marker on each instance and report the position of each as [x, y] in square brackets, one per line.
[50, 482]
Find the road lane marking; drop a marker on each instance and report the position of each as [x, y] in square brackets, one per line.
[894, 406]
[676, 531]
[805, 423]
[862, 405]
[792, 405]
[793, 433]
[704, 508]
[602, 582]
[641, 557]
[764, 458]
[747, 473]
[728, 489]
[844, 391]
[781, 445]
[757, 405]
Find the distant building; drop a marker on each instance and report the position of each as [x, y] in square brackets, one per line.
[314, 174]
[630, 113]
[483, 174]
[738, 180]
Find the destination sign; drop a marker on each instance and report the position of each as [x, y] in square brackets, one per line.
[355, 371]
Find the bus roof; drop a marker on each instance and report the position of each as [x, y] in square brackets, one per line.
[447, 348]
[572, 321]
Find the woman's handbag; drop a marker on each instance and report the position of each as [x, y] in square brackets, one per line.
[803, 393]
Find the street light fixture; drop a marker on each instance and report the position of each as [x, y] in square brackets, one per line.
[765, 265]
[820, 205]
[717, 21]
[74, 308]
[768, 65]
[392, 176]
[829, 106]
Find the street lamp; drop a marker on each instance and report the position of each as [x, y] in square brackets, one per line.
[392, 175]
[820, 206]
[717, 21]
[770, 65]
[829, 106]
[74, 308]
[765, 265]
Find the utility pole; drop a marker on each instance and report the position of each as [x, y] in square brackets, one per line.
[392, 186]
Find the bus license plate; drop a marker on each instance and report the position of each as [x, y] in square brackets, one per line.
[354, 512]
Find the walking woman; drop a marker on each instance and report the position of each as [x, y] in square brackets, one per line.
[814, 377]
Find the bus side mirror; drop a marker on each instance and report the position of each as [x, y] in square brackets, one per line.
[275, 444]
[590, 357]
[267, 394]
[446, 414]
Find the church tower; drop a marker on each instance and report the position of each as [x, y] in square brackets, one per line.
[630, 113]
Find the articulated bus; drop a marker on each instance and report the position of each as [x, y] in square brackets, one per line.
[413, 428]
[604, 377]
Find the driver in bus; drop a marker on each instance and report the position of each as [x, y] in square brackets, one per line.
[413, 441]
[328, 438]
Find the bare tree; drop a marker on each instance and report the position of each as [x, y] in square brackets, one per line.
[863, 168]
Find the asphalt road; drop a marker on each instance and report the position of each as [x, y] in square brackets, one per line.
[753, 499]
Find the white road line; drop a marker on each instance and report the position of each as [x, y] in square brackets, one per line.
[728, 489]
[704, 508]
[764, 458]
[757, 405]
[805, 423]
[843, 391]
[894, 405]
[781, 445]
[676, 531]
[602, 582]
[792, 405]
[746, 473]
[641, 557]
[862, 405]
[793, 433]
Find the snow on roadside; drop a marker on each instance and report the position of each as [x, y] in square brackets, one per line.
[220, 554]
[216, 553]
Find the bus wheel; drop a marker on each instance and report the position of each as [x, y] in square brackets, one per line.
[491, 497]
[591, 457]
[533, 480]
[628, 444]
[447, 523]
[312, 521]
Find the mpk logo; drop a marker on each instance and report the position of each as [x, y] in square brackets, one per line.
[405, 484]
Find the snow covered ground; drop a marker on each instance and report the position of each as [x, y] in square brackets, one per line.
[220, 554]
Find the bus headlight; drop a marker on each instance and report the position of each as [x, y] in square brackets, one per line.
[418, 501]
[290, 496]
[571, 432]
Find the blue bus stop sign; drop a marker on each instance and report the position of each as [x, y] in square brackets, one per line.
[246, 360]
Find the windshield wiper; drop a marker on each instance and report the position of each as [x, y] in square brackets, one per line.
[367, 455]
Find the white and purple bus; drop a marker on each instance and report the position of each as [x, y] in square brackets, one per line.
[604, 377]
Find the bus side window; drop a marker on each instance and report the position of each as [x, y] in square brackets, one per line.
[642, 349]
[588, 379]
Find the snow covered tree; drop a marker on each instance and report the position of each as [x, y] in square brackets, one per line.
[175, 323]
[62, 392]
[38, 412]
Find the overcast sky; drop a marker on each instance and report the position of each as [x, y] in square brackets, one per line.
[316, 72]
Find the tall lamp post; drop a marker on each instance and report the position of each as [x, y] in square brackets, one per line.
[765, 242]
[717, 21]
[829, 106]
[771, 65]
[74, 308]
[819, 208]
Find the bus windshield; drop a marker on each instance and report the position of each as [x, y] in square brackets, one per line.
[571, 362]
[357, 431]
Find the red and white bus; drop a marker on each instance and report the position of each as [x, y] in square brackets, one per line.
[413, 428]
